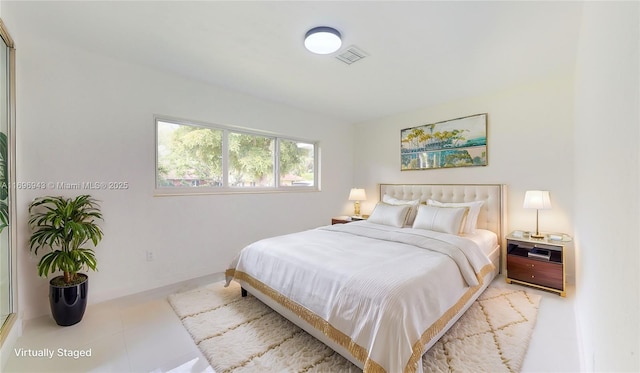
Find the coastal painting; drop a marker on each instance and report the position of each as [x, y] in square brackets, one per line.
[460, 142]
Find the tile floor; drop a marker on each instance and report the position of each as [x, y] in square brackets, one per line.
[141, 333]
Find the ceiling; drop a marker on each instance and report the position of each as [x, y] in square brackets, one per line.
[420, 53]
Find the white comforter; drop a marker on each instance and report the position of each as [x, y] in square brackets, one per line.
[383, 288]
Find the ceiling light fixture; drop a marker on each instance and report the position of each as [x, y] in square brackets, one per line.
[322, 40]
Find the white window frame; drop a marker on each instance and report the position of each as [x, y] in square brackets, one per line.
[225, 188]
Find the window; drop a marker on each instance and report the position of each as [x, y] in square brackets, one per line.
[188, 156]
[296, 163]
[192, 157]
[251, 160]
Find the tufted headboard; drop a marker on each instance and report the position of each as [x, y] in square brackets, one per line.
[493, 211]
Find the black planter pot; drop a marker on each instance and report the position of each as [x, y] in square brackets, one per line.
[68, 302]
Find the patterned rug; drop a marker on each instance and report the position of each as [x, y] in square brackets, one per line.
[238, 334]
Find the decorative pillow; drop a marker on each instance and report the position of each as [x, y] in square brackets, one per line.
[472, 218]
[393, 215]
[440, 219]
[413, 209]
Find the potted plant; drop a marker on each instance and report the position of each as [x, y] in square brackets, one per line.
[64, 226]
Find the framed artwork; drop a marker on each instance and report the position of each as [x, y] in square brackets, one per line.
[460, 142]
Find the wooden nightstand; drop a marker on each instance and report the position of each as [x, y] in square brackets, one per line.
[346, 219]
[340, 220]
[537, 262]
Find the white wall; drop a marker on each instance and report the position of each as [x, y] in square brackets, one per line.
[530, 146]
[607, 223]
[84, 117]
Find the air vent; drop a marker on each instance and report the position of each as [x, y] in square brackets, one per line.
[351, 55]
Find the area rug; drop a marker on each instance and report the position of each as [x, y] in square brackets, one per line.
[238, 334]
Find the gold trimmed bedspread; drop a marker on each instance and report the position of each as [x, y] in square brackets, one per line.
[376, 290]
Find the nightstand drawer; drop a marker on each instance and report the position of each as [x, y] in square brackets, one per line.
[535, 271]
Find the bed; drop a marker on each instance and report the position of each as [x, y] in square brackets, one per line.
[382, 291]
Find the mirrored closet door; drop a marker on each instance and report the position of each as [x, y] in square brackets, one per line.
[7, 211]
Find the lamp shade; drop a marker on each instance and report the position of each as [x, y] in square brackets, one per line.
[537, 199]
[322, 40]
[357, 195]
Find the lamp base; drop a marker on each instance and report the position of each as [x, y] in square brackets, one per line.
[356, 208]
[537, 236]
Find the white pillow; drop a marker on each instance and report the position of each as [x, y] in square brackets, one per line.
[472, 217]
[440, 219]
[393, 215]
[413, 203]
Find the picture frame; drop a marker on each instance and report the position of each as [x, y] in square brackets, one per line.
[460, 142]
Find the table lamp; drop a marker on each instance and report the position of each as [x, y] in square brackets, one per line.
[539, 200]
[357, 195]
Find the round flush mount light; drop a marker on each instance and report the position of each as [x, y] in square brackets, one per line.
[322, 40]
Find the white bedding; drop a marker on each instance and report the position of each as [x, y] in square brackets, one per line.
[380, 292]
[486, 240]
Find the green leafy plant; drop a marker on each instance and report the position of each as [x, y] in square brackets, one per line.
[64, 225]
